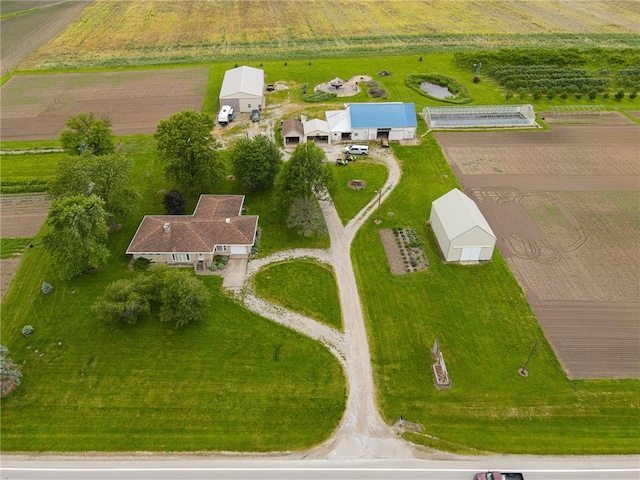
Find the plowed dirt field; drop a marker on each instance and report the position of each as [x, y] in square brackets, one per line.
[565, 206]
[35, 107]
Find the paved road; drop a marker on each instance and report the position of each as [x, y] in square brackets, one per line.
[192, 468]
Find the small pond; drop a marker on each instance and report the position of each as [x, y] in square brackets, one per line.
[435, 90]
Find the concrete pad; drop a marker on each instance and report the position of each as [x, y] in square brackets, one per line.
[234, 272]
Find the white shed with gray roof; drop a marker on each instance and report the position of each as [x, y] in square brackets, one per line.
[243, 89]
[462, 232]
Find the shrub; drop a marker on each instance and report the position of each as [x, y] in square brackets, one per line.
[221, 266]
[509, 95]
[140, 264]
[593, 94]
[564, 95]
[537, 96]
[27, 330]
[605, 95]
[174, 202]
[620, 95]
[46, 288]
[377, 92]
[633, 95]
[476, 79]
[213, 267]
[9, 373]
[578, 96]
[551, 94]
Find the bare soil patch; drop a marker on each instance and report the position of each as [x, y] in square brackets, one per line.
[565, 206]
[36, 106]
[22, 216]
[586, 118]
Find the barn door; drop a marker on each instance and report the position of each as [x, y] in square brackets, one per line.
[470, 254]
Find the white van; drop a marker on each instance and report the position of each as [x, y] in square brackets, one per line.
[357, 149]
[225, 115]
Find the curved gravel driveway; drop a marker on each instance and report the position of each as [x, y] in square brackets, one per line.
[362, 432]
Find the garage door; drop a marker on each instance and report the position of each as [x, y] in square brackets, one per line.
[470, 254]
[238, 250]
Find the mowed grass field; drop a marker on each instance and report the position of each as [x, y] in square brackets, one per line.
[233, 382]
[120, 33]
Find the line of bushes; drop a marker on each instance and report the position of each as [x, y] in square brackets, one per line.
[24, 186]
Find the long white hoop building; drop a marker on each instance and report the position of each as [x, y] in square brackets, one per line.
[480, 116]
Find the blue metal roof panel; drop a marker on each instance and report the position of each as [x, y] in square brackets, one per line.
[383, 115]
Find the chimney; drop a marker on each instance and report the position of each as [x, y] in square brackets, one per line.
[227, 220]
[167, 227]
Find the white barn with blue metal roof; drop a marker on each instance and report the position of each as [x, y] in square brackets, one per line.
[389, 120]
[373, 121]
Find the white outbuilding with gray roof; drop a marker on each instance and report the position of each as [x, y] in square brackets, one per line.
[243, 89]
[462, 232]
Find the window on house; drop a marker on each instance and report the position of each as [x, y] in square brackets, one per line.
[180, 257]
[220, 248]
[249, 105]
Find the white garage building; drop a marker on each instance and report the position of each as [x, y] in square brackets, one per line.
[460, 228]
[243, 89]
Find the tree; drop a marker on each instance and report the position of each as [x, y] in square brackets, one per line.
[181, 297]
[174, 203]
[184, 298]
[186, 144]
[9, 373]
[86, 133]
[76, 233]
[106, 176]
[124, 301]
[306, 217]
[305, 175]
[256, 162]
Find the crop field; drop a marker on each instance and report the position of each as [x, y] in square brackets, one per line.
[565, 207]
[120, 33]
[36, 106]
[21, 34]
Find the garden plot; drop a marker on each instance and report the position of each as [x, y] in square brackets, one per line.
[565, 206]
[404, 250]
[36, 106]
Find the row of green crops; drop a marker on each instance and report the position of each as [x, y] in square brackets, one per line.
[559, 57]
[544, 78]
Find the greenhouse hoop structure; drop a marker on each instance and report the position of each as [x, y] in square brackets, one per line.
[480, 116]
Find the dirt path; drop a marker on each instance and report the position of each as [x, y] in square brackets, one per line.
[362, 432]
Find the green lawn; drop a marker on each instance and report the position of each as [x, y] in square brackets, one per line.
[349, 202]
[233, 382]
[238, 382]
[305, 287]
[486, 330]
[11, 246]
[29, 166]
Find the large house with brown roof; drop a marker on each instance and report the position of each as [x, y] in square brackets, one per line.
[217, 227]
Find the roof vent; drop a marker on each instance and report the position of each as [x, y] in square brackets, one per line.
[227, 220]
[167, 227]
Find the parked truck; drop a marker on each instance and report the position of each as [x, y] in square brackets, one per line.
[225, 115]
[497, 476]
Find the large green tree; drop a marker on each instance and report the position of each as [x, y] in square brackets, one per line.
[86, 133]
[106, 176]
[256, 162]
[185, 143]
[182, 298]
[76, 233]
[305, 175]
